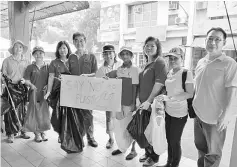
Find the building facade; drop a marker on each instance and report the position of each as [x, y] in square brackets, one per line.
[130, 23]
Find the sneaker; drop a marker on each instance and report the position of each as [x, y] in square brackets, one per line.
[92, 143]
[38, 138]
[143, 158]
[131, 155]
[43, 136]
[10, 139]
[116, 152]
[148, 162]
[110, 143]
[24, 136]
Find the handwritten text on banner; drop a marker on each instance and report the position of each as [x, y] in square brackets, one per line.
[91, 93]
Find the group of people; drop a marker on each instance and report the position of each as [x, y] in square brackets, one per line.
[213, 91]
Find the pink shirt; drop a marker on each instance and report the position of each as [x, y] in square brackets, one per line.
[212, 79]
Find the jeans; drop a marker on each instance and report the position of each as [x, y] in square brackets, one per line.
[174, 128]
[209, 143]
[89, 126]
[109, 122]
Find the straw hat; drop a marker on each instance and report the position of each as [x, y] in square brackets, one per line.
[25, 48]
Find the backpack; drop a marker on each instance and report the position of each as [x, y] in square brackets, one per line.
[191, 111]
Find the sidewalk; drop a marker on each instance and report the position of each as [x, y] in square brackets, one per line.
[27, 153]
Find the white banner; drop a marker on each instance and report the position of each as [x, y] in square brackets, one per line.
[91, 93]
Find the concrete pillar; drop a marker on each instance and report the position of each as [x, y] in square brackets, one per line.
[18, 16]
[190, 37]
[233, 158]
[122, 25]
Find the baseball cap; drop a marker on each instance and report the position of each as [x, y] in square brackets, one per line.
[38, 48]
[108, 48]
[177, 52]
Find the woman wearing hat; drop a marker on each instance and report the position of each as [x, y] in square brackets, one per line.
[110, 64]
[151, 83]
[129, 74]
[176, 105]
[13, 67]
[36, 77]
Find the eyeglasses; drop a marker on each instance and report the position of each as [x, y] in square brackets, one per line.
[216, 40]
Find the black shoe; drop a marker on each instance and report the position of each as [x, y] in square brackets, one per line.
[149, 162]
[131, 155]
[92, 143]
[143, 158]
[116, 152]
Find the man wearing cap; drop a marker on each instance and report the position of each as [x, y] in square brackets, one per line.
[83, 63]
[36, 77]
[215, 95]
[13, 67]
[110, 64]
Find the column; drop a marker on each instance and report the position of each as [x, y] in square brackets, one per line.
[190, 37]
[233, 158]
[122, 25]
[18, 16]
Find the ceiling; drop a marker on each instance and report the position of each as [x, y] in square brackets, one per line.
[39, 10]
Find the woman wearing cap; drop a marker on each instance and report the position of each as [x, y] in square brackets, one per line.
[151, 83]
[176, 105]
[13, 68]
[36, 77]
[129, 74]
[110, 64]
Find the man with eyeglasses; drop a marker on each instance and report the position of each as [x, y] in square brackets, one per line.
[215, 92]
[83, 63]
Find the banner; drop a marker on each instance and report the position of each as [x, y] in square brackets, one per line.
[91, 93]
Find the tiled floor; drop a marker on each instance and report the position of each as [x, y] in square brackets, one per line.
[27, 153]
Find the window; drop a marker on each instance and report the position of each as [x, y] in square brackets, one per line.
[173, 5]
[184, 40]
[171, 19]
[142, 15]
[142, 60]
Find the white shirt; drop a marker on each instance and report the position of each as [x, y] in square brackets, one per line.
[174, 87]
[212, 79]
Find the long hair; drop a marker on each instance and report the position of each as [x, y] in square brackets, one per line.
[59, 45]
[158, 45]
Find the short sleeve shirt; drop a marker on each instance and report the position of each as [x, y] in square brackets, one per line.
[212, 79]
[58, 67]
[86, 64]
[154, 72]
[14, 69]
[37, 76]
[174, 87]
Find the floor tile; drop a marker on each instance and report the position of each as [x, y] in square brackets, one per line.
[84, 162]
[107, 162]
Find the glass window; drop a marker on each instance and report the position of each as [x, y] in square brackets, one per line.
[146, 16]
[171, 20]
[142, 15]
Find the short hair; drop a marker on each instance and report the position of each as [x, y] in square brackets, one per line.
[158, 45]
[59, 46]
[78, 34]
[218, 29]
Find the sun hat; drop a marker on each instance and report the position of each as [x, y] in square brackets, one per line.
[123, 49]
[25, 48]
